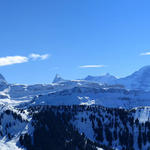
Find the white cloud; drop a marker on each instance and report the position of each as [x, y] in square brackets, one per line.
[38, 56]
[10, 60]
[92, 66]
[144, 54]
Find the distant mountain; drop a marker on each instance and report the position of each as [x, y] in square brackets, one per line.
[2, 79]
[108, 97]
[58, 79]
[105, 79]
[139, 80]
[3, 83]
[105, 85]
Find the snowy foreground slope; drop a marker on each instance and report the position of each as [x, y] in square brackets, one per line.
[69, 127]
[12, 124]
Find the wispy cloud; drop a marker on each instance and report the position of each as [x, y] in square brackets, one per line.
[144, 54]
[38, 56]
[10, 60]
[92, 66]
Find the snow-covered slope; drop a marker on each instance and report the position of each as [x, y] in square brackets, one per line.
[15, 94]
[12, 124]
[27, 92]
[139, 80]
[110, 97]
[117, 128]
[111, 127]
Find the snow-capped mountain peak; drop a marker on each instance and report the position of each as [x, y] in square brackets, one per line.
[139, 80]
[143, 72]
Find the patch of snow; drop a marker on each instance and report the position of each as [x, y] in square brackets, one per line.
[9, 145]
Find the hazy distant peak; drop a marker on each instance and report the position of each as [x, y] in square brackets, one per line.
[2, 79]
[57, 78]
[104, 79]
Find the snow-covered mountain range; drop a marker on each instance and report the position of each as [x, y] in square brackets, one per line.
[104, 79]
[139, 80]
[81, 108]
[107, 90]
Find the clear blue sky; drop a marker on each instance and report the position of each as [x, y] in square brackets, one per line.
[74, 33]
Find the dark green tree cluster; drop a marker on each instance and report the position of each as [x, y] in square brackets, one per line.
[53, 131]
[53, 128]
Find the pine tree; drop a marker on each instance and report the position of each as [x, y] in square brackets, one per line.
[140, 138]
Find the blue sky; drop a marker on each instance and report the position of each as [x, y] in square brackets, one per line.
[74, 38]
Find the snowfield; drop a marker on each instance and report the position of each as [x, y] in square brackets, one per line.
[10, 145]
